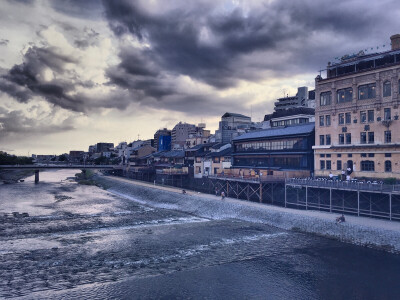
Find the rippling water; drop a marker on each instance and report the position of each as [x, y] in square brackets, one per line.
[82, 242]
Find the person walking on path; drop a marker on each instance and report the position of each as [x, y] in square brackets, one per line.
[216, 191]
[222, 195]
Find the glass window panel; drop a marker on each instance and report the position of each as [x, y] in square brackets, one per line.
[363, 117]
[387, 89]
[325, 98]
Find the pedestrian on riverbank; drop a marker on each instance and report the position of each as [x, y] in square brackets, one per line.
[222, 195]
[216, 191]
[340, 219]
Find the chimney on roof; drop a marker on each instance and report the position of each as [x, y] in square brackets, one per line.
[395, 39]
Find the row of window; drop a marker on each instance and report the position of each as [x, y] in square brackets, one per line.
[367, 91]
[366, 165]
[290, 122]
[365, 116]
[351, 155]
[345, 138]
[272, 145]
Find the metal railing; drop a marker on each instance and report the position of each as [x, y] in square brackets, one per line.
[248, 178]
[345, 185]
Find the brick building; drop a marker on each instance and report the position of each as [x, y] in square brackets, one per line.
[357, 115]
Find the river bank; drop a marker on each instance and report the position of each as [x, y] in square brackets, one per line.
[133, 241]
[14, 175]
[373, 233]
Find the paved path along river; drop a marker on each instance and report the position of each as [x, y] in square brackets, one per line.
[82, 242]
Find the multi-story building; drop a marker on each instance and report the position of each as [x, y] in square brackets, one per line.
[162, 139]
[76, 156]
[279, 152]
[357, 115]
[180, 133]
[303, 98]
[201, 136]
[102, 147]
[230, 126]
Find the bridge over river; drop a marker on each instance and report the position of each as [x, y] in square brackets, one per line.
[42, 167]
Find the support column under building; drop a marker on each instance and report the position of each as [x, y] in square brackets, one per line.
[36, 176]
[306, 197]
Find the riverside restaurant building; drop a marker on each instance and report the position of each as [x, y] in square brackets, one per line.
[278, 152]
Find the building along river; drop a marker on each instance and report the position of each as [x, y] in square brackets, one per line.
[83, 242]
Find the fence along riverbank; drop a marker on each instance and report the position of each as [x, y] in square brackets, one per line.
[367, 199]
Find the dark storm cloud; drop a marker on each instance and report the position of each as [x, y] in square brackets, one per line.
[25, 81]
[214, 42]
[280, 26]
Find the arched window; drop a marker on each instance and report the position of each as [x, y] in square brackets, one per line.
[388, 166]
[387, 89]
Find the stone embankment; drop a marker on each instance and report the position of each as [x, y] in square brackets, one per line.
[375, 233]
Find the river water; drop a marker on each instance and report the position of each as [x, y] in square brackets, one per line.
[82, 242]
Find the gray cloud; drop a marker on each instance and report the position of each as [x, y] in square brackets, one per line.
[4, 42]
[89, 9]
[15, 123]
[23, 81]
[219, 48]
[216, 43]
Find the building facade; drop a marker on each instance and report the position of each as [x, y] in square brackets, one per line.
[284, 152]
[303, 98]
[180, 133]
[162, 139]
[230, 126]
[289, 117]
[102, 147]
[357, 116]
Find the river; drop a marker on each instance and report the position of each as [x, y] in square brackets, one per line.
[83, 242]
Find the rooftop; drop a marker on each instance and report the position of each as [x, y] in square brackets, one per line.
[361, 62]
[228, 114]
[278, 132]
[225, 152]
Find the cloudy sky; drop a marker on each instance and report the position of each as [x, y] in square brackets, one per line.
[73, 72]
